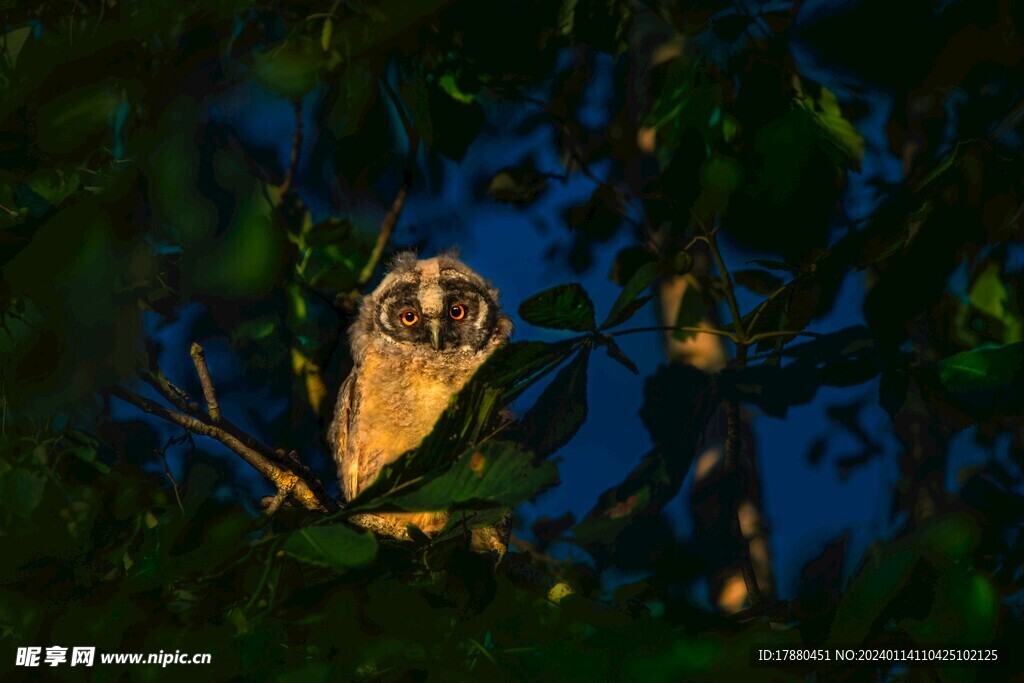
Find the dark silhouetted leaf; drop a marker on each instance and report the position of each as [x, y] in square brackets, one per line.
[843, 358]
[658, 477]
[560, 410]
[627, 262]
[615, 352]
[565, 307]
[22, 490]
[757, 281]
[776, 265]
[628, 301]
[331, 231]
[518, 184]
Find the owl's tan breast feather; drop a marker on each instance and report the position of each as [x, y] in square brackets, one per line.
[400, 399]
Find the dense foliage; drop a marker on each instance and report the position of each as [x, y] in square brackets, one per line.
[130, 204]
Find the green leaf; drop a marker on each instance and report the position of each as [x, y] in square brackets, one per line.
[71, 121]
[335, 546]
[629, 301]
[988, 374]
[450, 85]
[498, 474]
[962, 604]
[827, 115]
[989, 295]
[83, 447]
[720, 178]
[564, 307]
[326, 34]
[874, 588]
[290, 70]
[21, 490]
[13, 42]
[560, 410]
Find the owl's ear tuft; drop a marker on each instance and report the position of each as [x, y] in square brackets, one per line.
[403, 261]
[452, 253]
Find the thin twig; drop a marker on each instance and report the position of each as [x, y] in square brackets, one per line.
[782, 333]
[387, 228]
[167, 469]
[763, 306]
[380, 526]
[293, 163]
[730, 294]
[199, 359]
[278, 500]
[306, 490]
[668, 328]
[181, 400]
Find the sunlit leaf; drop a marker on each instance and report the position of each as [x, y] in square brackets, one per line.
[503, 377]
[326, 34]
[826, 113]
[450, 85]
[497, 474]
[989, 294]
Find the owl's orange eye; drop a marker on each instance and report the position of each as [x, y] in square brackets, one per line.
[409, 317]
[457, 312]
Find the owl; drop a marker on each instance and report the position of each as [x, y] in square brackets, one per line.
[416, 341]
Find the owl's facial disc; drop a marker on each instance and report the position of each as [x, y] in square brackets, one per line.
[449, 314]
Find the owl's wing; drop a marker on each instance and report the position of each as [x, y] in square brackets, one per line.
[338, 436]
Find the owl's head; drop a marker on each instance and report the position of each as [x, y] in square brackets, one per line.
[439, 304]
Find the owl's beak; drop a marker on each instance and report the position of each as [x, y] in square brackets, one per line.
[435, 334]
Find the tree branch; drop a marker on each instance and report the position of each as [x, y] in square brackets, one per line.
[295, 484]
[387, 228]
[199, 360]
[285, 473]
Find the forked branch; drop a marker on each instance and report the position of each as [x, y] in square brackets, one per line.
[294, 483]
